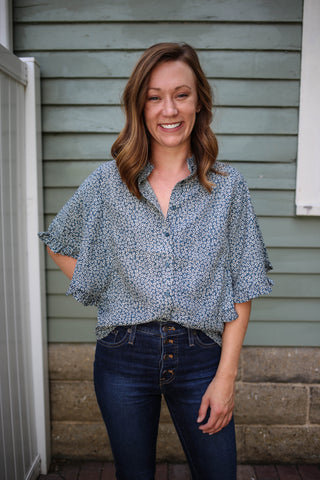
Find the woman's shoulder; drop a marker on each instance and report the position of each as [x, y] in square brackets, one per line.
[98, 182]
[225, 173]
[227, 170]
[105, 171]
[105, 174]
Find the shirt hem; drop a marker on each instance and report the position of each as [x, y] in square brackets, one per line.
[83, 297]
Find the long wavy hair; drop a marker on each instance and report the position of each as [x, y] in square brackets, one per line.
[131, 150]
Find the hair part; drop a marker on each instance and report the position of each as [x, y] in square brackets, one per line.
[131, 150]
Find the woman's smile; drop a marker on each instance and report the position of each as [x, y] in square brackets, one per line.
[170, 126]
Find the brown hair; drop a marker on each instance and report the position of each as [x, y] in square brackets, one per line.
[131, 150]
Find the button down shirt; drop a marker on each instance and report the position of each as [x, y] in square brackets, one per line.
[138, 266]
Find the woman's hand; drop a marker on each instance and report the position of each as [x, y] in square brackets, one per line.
[219, 397]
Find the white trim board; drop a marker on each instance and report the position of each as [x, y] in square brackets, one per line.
[37, 310]
[308, 161]
[13, 66]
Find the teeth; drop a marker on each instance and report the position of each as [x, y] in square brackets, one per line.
[171, 125]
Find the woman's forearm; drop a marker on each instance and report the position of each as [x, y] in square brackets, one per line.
[65, 263]
[232, 340]
[219, 395]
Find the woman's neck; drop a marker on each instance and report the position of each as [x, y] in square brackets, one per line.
[171, 162]
[169, 169]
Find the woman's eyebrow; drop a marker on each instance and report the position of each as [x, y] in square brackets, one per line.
[176, 88]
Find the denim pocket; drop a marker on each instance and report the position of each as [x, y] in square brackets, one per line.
[202, 340]
[118, 337]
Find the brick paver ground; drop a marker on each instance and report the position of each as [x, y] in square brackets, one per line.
[105, 471]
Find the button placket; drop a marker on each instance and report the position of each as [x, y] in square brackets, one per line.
[169, 354]
[168, 264]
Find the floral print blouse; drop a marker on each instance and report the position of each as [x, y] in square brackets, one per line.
[138, 266]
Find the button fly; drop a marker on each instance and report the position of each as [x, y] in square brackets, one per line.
[168, 328]
[167, 356]
[169, 360]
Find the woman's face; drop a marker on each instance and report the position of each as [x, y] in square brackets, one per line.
[171, 105]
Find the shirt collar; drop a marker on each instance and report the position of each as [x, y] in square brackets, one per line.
[192, 165]
[144, 174]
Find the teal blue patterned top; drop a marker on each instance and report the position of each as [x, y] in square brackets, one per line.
[138, 266]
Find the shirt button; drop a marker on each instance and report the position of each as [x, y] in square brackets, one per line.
[167, 234]
[167, 264]
[167, 294]
[173, 207]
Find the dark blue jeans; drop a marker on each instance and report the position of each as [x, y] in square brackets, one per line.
[134, 367]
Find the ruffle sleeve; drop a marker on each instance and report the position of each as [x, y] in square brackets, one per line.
[76, 232]
[65, 233]
[249, 262]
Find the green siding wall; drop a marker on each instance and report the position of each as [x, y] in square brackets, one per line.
[250, 51]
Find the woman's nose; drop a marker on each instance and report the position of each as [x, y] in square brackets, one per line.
[169, 108]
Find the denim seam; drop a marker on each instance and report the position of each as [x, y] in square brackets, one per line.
[184, 445]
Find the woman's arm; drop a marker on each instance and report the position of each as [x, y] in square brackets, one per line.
[65, 263]
[219, 395]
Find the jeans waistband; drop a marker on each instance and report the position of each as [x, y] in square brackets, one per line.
[162, 329]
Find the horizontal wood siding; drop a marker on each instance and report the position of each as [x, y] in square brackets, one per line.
[250, 51]
[63, 11]
[134, 36]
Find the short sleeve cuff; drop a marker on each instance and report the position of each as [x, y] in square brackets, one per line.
[246, 294]
[57, 246]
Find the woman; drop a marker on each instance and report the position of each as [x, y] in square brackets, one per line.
[165, 242]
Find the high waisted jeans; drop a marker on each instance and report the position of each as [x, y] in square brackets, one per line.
[134, 366]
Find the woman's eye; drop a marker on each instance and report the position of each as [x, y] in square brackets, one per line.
[182, 95]
[153, 98]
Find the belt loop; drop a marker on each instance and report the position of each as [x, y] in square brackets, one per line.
[132, 332]
[191, 337]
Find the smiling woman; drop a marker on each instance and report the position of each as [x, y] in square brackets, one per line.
[165, 242]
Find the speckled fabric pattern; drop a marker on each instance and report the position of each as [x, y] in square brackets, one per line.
[137, 266]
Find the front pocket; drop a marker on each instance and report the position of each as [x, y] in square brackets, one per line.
[202, 340]
[118, 337]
